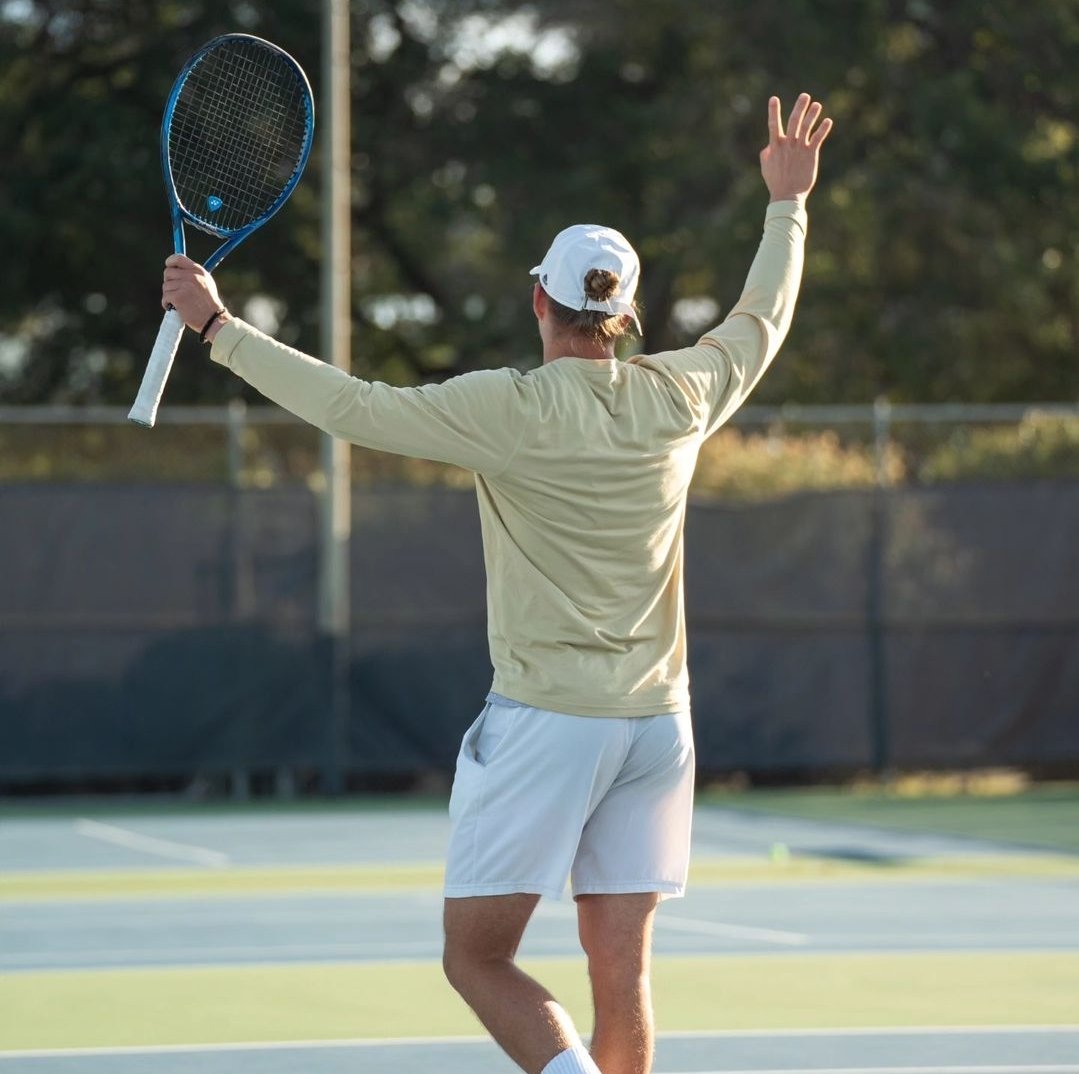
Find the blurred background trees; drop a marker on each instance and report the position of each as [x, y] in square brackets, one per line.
[942, 260]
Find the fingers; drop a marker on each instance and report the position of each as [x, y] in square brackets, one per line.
[178, 267]
[189, 289]
[789, 161]
[803, 119]
[820, 134]
[775, 122]
[169, 292]
[794, 127]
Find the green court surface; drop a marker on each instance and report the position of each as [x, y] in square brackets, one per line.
[307, 1002]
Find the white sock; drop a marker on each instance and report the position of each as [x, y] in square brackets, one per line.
[574, 1060]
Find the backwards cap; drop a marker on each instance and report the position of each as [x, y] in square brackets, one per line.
[574, 253]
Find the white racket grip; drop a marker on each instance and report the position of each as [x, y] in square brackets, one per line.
[144, 412]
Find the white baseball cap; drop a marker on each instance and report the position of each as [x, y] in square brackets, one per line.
[574, 253]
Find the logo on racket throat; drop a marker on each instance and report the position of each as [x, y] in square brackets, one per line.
[214, 203]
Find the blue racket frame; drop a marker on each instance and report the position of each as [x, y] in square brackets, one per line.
[180, 215]
[144, 410]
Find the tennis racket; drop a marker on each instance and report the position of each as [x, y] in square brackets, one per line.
[235, 139]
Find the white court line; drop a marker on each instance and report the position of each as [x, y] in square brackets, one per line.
[871, 1031]
[183, 957]
[162, 848]
[709, 928]
[1011, 1068]
[237, 1046]
[392, 1042]
[738, 932]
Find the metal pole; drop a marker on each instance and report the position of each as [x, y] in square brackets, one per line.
[241, 589]
[334, 612]
[879, 716]
[242, 583]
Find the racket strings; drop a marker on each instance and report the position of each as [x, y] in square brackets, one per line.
[237, 134]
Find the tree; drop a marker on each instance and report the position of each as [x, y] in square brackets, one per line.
[941, 262]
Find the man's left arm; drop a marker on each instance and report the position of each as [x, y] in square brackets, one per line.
[718, 373]
[750, 337]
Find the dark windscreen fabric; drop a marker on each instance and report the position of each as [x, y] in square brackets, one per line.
[171, 630]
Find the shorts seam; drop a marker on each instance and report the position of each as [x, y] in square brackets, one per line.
[481, 796]
[630, 888]
[524, 887]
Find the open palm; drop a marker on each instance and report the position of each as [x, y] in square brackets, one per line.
[789, 160]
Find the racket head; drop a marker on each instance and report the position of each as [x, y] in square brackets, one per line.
[235, 136]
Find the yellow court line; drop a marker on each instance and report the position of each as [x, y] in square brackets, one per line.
[228, 881]
[166, 882]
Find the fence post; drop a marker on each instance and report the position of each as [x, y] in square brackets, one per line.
[334, 585]
[879, 717]
[237, 422]
[234, 589]
[242, 583]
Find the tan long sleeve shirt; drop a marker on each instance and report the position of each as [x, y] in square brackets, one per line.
[582, 471]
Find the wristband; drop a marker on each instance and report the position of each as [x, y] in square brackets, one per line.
[206, 326]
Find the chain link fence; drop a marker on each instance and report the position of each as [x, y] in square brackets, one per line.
[868, 588]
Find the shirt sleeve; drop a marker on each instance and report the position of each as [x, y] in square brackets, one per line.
[475, 421]
[718, 373]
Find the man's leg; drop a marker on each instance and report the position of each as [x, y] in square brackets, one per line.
[482, 936]
[616, 933]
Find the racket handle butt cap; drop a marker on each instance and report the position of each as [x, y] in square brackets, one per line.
[144, 411]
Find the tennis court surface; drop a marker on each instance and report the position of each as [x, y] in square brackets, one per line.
[265, 939]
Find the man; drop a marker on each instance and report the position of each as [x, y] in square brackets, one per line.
[581, 764]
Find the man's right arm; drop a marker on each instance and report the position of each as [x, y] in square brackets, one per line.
[476, 420]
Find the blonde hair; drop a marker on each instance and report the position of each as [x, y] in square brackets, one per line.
[599, 285]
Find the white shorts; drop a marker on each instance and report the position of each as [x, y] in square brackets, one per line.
[540, 797]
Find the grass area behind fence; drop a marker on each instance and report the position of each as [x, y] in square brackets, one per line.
[744, 462]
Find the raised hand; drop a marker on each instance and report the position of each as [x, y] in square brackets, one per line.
[789, 160]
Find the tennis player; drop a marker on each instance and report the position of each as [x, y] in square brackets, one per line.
[580, 766]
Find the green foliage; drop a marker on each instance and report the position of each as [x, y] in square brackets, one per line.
[942, 256]
[112, 453]
[82, 88]
[1038, 447]
[734, 464]
[737, 466]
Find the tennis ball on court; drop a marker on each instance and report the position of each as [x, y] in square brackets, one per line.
[780, 854]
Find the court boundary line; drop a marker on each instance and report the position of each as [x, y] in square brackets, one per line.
[150, 844]
[677, 923]
[699, 1034]
[786, 953]
[1011, 1068]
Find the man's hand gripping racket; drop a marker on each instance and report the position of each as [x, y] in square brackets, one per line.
[235, 139]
